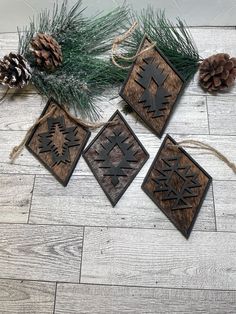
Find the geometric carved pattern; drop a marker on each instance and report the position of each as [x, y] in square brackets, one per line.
[181, 192]
[115, 157]
[177, 184]
[59, 151]
[116, 170]
[58, 141]
[152, 87]
[156, 102]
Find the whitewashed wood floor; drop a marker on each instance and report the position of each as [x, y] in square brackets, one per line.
[67, 251]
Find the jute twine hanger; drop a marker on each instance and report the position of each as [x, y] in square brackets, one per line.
[200, 145]
[89, 125]
[119, 40]
[185, 143]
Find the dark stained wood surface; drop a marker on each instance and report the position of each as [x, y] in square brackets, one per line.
[177, 185]
[128, 150]
[132, 92]
[63, 170]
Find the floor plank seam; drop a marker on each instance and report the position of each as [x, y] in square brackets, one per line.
[214, 206]
[111, 285]
[31, 199]
[208, 118]
[145, 287]
[82, 249]
[55, 299]
[112, 227]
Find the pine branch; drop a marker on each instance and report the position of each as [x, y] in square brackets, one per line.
[86, 70]
[174, 41]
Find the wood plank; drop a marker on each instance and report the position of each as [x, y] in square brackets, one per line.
[72, 206]
[190, 116]
[15, 197]
[210, 41]
[51, 253]
[222, 115]
[27, 164]
[28, 108]
[158, 258]
[214, 166]
[8, 43]
[21, 297]
[75, 299]
[225, 205]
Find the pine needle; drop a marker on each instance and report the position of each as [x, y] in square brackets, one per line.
[86, 70]
[175, 41]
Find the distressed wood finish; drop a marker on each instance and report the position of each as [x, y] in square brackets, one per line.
[58, 142]
[26, 164]
[115, 157]
[222, 114]
[177, 185]
[21, 297]
[159, 258]
[152, 79]
[190, 116]
[50, 253]
[122, 256]
[52, 204]
[15, 197]
[87, 299]
[225, 205]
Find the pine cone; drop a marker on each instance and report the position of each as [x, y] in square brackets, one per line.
[15, 71]
[47, 51]
[217, 72]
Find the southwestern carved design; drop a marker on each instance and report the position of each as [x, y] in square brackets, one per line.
[58, 141]
[152, 87]
[115, 157]
[177, 184]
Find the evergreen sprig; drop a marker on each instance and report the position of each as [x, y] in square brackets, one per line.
[85, 71]
[174, 40]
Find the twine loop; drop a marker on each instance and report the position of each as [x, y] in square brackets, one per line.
[197, 144]
[119, 40]
[88, 125]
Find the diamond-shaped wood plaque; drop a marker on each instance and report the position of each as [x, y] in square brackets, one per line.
[115, 157]
[58, 142]
[177, 185]
[152, 87]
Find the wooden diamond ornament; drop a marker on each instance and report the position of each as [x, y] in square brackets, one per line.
[115, 157]
[177, 184]
[58, 142]
[153, 87]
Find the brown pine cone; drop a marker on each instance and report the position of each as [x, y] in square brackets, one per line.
[217, 72]
[47, 51]
[15, 71]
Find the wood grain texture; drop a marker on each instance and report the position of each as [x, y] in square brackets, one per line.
[22, 297]
[225, 205]
[51, 253]
[152, 79]
[159, 258]
[177, 185]
[189, 117]
[26, 163]
[28, 110]
[15, 197]
[115, 157]
[222, 115]
[84, 203]
[87, 299]
[58, 141]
